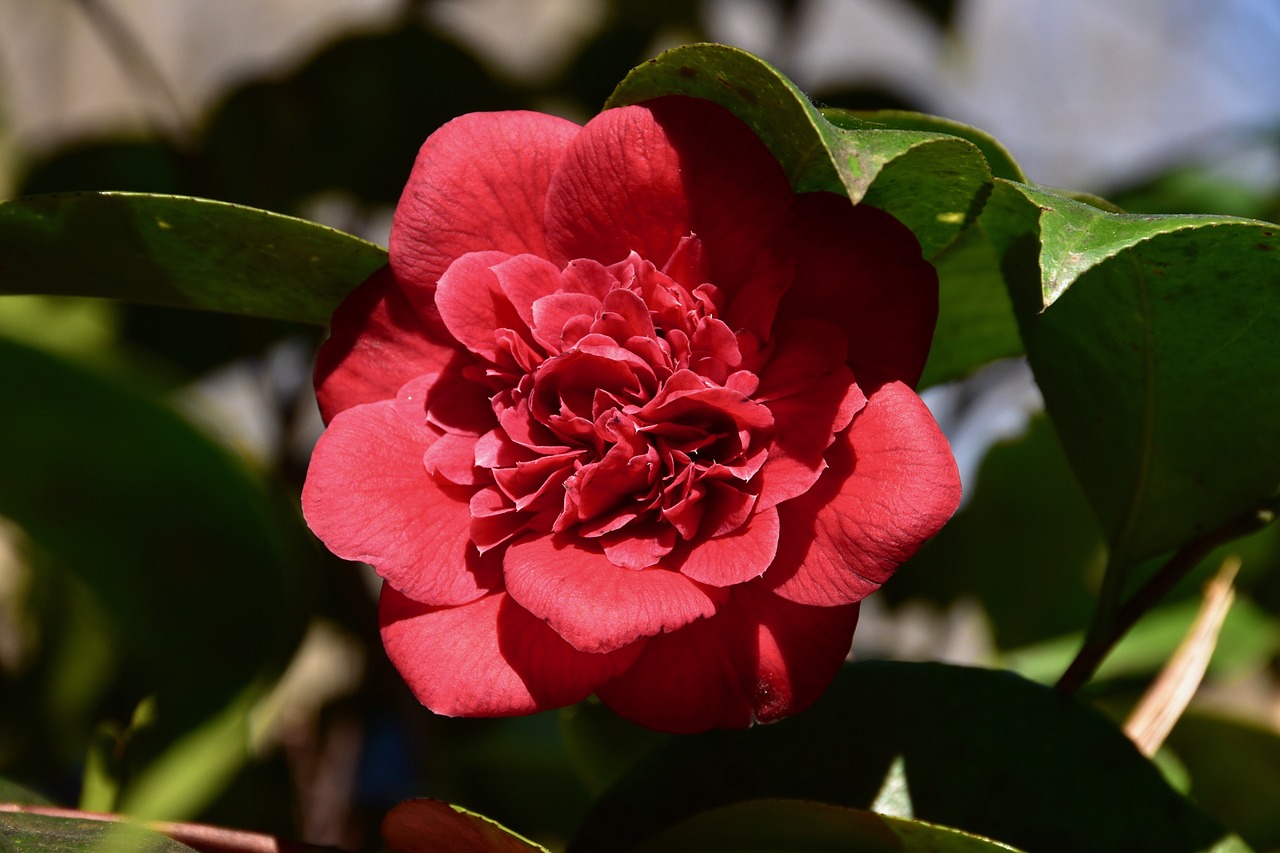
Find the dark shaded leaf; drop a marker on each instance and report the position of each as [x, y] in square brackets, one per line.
[796, 826]
[986, 752]
[430, 826]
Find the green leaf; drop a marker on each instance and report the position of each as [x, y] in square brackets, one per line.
[181, 252]
[751, 89]
[975, 319]
[21, 832]
[986, 752]
[1249, 639]
[600, 745]
[795, 826]
[196, 767]
[12, 792]
[934, 183]
[1153, 340]
[430, 826]
[998, 158]
[196, 567]
[1024, 606]
[1235, 772]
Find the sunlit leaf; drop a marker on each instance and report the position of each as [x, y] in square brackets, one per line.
[999, 159]
[935, 183]
[1153, 340]
[975, 319]
[181, 252]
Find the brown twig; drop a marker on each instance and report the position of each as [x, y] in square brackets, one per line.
[1150, 594]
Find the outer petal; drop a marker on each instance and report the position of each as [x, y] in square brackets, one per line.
[369, 498]
[488, 658]
[760, 659]
[892, 484]
[479, 183]
[861, 268]
[640, 178]
[595, 605]
[379, 341]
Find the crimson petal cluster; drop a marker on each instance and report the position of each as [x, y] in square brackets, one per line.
[625, 416]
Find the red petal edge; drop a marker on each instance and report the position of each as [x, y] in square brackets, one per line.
[488, 658]
[760, 659]
[892, 483]
[369, 498]
[479, 184]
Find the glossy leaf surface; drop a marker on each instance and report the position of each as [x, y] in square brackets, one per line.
[178, 251]
[986, 752]
[1153, 340]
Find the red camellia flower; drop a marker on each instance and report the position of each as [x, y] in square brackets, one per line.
[626, 416]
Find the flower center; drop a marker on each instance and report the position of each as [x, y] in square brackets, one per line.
[635, 415]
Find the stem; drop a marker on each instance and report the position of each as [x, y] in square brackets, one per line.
[1104, 634]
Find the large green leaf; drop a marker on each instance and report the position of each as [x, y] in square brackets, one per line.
[182, 252]
[797, 826]
[986, 752]
[1235, 772]
[935, 183]
[195, 567]
[1153, 339]
[975, 319]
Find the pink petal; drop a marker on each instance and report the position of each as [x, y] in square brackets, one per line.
[479, 184]
[641, 178]
[595, 605]
[488, 658]
[525, 279]
[378, 342]
[760, 659]
[736, 557]
[892, 484]
[453, 457]
[369, 498]
[860, 268]
[473, 306]
[638, 546]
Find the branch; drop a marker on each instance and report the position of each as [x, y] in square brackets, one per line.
[1156, 588]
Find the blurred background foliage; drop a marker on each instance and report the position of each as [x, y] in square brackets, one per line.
[172, 641]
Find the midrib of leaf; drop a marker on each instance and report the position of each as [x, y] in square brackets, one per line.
[1120, 558]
